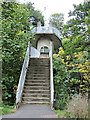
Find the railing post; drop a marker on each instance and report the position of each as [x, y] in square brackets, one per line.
[29, 45]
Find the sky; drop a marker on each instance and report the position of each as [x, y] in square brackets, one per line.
[54, 6]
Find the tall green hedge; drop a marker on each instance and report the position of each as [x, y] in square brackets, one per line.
[16, 33]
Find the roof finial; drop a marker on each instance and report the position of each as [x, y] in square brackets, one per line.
[45, 19]
[39, 24]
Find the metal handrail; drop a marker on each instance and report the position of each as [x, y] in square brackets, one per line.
[51, 76]
[23, 76]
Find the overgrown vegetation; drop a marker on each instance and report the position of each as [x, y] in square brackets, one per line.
[14, 41]
[78, 106]
[71, 63]
[57, 21]
[17, 23]
[62, 113]
[61, 80]
[6, 109]
[71, 75]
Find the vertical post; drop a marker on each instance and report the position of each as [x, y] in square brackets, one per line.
[51, 76]
[29, 45]
[50, 24]
[39, 24]
[38, 27]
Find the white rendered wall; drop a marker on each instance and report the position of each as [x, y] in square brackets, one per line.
[34, 53]
[43, 42]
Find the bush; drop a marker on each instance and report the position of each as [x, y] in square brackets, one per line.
[78, 106]
[15, 36]
[71, 76]
[6, 109]
[61, 81]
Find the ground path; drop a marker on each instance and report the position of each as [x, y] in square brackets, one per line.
[33, 111]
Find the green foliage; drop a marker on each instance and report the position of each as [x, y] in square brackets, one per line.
[62, 113]
[76, 24]
[75, 45]
[71, 75]
[17, 21]
[35, 15]
[15, 35]
[78, 66]
[57, 20]
[6, 109]
[77, 29]
[71, 64]
[61, 81]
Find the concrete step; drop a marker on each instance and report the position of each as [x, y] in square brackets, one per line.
[34, 66]
[39, 64]
[37, 68]
[37, 78]
[40, 59]
[38, 72]
[38, 75]
[36, 99]
[36, 91]
[36, 81]
[35, 95]
[36, 84]
[35, 102]
[36, 87]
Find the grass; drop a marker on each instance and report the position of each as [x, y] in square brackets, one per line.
[6, 109]
[61, 113]
[66, 114]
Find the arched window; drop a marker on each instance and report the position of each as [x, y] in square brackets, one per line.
[44, 50]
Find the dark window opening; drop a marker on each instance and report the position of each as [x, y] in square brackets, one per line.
[44, 50]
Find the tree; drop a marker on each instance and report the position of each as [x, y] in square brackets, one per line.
[15, 37]
[77, 24]
[57, 20]
[71, 64]
[17, 21]
[35, 15]
[77, 29]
